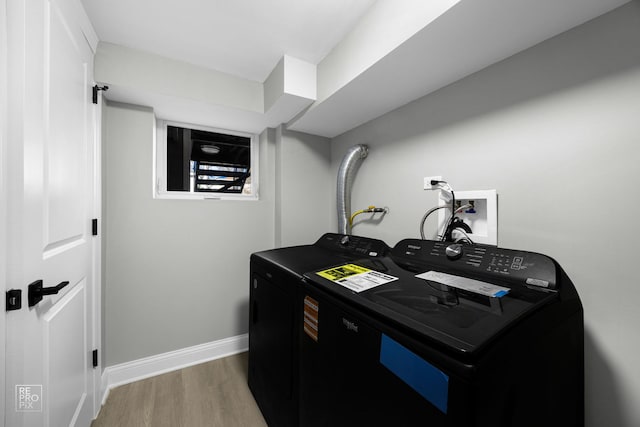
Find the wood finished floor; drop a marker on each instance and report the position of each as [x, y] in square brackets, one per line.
[210, 394]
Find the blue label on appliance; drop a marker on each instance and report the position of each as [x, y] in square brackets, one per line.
[429, 381]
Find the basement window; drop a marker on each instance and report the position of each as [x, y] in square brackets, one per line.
[199, 162]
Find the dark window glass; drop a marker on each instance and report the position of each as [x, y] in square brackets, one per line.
[202, 161]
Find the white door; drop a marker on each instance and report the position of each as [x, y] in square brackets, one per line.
[51, 193]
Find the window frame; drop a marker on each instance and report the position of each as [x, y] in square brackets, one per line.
[160, 164]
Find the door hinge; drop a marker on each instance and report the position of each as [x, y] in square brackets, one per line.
[14, 299]
[96, 89]
[94, 226]
[95, 358]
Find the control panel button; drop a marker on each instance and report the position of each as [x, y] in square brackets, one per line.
[454, 251]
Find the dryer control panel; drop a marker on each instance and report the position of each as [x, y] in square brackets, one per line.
[527, 268]
[356, 245]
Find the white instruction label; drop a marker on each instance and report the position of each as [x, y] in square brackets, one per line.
[471, 285]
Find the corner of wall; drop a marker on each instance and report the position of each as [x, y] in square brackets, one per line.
[277, 241]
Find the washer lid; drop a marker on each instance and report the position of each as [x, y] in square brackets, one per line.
[459, 319]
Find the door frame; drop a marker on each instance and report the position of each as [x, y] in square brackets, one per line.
[96, 255]
[96, 244]
[3, 197]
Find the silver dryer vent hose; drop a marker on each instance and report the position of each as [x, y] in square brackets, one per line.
[348, 167]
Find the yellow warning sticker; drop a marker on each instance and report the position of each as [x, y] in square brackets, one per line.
[343, 271]
[356, 278]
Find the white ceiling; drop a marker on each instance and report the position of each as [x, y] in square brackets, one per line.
[245, 38]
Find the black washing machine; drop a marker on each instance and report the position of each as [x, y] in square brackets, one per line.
[276, 279]
[441, 334]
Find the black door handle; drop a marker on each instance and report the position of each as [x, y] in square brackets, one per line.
[36, 291]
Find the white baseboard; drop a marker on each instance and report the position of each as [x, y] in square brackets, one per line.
[140, 369]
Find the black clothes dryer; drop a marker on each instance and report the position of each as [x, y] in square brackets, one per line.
[442, 335]
[275, 318]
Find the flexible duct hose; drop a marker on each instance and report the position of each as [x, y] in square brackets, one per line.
[347, 170]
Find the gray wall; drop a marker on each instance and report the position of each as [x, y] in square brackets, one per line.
[176, 272]
[304, 187]
[556, 131]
